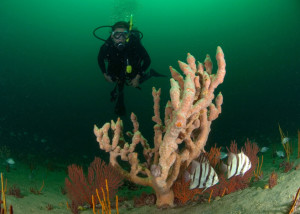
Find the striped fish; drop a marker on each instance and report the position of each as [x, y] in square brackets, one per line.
[201, 175]
[238, 164]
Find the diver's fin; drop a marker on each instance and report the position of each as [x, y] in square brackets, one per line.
[120, 109]
[154, 73]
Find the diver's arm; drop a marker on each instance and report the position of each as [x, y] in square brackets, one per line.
[146, 61]
[101, 57]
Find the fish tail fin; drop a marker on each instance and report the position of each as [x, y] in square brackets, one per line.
[223, 168]
[204, 189]
[154, 73]
[186, 176]
[194, 165]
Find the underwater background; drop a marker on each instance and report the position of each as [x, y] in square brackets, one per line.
[52, 91]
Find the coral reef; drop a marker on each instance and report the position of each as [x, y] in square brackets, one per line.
[144, 199]
[179, 139]
[15, 191]
[295, 203]
[286, 166]
[37, 191]
[227, 186]
[183, 193]
[80, 188]
[105, 201]
[273, 180]
[3, 198]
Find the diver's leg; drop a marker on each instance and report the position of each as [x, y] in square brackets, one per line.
[114, 93]
[147, 75]
[120, 106]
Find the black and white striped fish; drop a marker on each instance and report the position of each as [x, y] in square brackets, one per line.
[238, 164]
[201, 174]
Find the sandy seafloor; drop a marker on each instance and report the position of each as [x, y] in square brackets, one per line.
[254, 199]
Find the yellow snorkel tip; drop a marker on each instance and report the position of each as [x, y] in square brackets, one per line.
[130, 22]
[130, 26]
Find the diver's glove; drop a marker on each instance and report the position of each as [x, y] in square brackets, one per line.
[108, 78]
[135, 81]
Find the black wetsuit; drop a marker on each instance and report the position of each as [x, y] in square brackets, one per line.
[133, 54]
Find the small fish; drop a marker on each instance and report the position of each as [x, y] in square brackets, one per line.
[264, 149]
[285, 140]
[202, 175]
[238, 164]
[280, 154]
[10, 161]
[223, 155]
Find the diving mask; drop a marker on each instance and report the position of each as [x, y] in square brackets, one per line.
[117, 34]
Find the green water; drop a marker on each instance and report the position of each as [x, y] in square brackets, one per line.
[51, 87]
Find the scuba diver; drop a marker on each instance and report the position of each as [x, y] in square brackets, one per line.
[127, 61]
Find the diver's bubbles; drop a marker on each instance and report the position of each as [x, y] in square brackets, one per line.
[122, 10]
